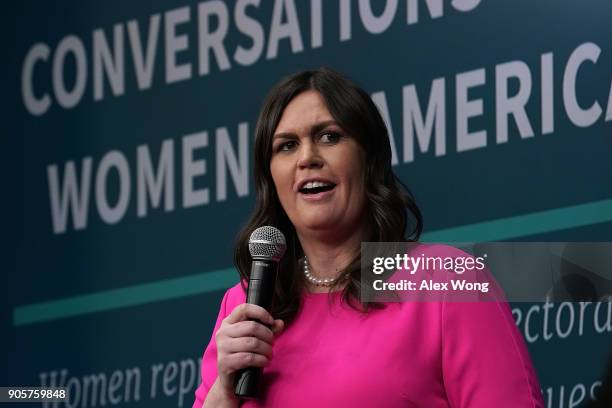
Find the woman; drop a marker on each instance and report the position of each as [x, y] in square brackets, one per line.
[323, 176]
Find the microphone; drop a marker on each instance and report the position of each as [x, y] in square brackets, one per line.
[267, 246]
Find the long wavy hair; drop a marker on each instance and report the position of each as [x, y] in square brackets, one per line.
[388, 205]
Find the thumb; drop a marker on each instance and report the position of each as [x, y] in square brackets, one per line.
[278, 326]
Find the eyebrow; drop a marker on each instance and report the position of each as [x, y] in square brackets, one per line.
[317, 127]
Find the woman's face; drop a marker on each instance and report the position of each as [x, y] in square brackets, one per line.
[318, 169]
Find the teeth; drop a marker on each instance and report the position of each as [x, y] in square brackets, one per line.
[313, 184]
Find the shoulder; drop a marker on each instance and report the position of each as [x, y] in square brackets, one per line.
[465, 277]
[234, 296]
[439, 250]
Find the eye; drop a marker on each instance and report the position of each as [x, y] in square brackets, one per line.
[330, 137]
[285, 146]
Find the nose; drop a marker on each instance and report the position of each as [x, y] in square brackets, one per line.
[309, 157]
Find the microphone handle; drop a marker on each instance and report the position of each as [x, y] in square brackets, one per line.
[260, 292]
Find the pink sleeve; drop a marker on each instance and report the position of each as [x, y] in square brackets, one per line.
[485, 360]
[209, 360]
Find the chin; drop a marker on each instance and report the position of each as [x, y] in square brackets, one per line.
[319, 223]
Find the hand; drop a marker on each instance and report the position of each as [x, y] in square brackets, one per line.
[242, 341]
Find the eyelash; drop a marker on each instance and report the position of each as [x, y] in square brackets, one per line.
[334, 134]
[338, 136]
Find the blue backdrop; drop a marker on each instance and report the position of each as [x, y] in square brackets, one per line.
[126, 157]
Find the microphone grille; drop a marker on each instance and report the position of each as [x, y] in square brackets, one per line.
[267, 242]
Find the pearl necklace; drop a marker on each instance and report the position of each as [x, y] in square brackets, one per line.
[327, 282]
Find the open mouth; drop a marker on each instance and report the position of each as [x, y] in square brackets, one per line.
[315, 187]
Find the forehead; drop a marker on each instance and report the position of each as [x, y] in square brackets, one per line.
[304, 110]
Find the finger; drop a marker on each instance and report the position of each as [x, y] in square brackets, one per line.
[250, 328]
[248, 311]
[237, 361]
[247, 345]
[278, 326]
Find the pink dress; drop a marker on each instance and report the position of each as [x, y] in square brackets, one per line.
[413, 354]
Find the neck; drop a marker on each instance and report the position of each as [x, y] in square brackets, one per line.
[328, 254]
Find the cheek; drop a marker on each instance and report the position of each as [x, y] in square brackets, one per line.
[355, 173]
[282, 182]
[357, 183]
